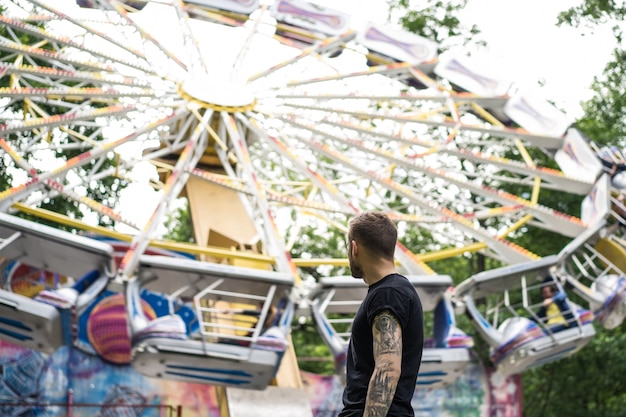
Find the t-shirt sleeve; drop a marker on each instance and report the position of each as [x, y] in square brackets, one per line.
[390, 299]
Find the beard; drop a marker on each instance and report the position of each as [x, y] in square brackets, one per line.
[355, 269]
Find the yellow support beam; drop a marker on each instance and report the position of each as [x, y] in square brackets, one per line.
[161, 244]
[426, 257]
[222, 253]
[451, 252]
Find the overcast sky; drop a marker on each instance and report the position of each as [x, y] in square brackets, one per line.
[524, 44]
[523, 36]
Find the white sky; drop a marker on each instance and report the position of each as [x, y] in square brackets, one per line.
[523, 37]
[524, 44]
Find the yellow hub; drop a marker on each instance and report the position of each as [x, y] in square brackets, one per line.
[217, 95]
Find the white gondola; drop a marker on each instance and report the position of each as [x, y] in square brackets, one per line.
[36, 323]
[336, 300]
[466, 75]
[309, 23]
[577, 159]
[390, 46]
[537, 115]
[396, 44]
[215, 329]
[130, 5]
[470, 76]
[311, 16]
[245, 7]
[502, 303]
[594, 264]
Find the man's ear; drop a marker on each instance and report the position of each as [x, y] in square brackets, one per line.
[355, 247]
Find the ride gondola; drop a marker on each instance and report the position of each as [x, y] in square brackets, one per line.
[31, 250]
[212, 323]
[129, 5]
[594, 265]
[244, 7]
[390, 50]
[336, 300]
[310, 24]
[503, 304]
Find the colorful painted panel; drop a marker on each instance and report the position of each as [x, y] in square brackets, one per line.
[35, 385]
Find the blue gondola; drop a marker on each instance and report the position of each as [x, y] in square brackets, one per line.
[335, 301]
[36, 323]
[503, 304]
[215, 324]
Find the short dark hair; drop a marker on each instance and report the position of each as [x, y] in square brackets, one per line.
[550, 282]
[375, 232]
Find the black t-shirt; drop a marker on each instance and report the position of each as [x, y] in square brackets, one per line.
[396, 294]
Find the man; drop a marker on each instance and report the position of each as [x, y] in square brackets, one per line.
[555, 311]
[385, 348]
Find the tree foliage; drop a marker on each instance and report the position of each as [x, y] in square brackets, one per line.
[591, 13]
[178, 224]
[604, 118]
[105, 190]
[436, 20]
[589, 383]
[312, 242]
[312, 353]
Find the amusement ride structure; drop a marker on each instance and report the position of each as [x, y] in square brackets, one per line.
[267, 117]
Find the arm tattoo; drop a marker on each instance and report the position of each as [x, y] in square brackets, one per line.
[387, 335]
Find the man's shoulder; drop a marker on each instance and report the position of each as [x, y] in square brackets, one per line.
[399, 280]
[400, 285]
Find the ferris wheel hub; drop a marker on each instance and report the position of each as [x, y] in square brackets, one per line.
[221, 95]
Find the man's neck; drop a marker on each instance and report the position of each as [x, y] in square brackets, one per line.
[374, 276]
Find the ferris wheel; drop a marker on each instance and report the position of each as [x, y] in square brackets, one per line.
[267, 118]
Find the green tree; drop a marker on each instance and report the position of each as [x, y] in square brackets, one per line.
[105, 190]
[436, 20]
[312, 242]
[589, 383]
[604, 119]
[178, 224]
[592, 13]
[311, 351]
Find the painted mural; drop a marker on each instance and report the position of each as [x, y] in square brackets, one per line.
[477, 393]
[35, 385]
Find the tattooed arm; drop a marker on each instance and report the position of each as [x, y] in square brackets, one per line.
[388, 361]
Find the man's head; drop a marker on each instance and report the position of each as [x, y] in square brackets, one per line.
[375, 235]
[548, 291]
[549, 287]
